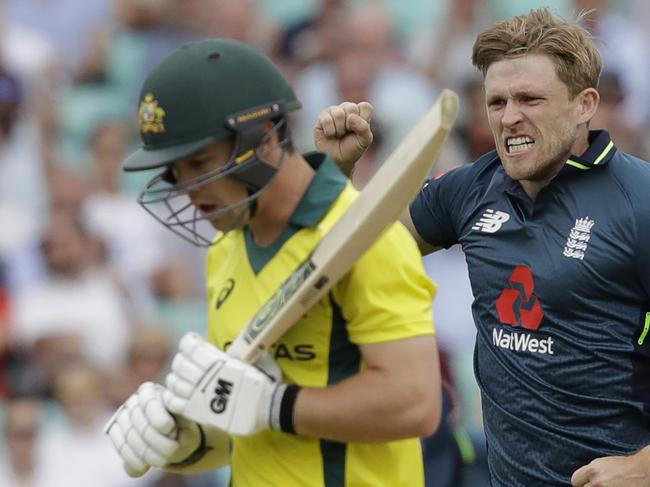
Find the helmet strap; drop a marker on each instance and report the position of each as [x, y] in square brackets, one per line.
[251, 170]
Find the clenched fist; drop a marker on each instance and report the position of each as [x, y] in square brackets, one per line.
[343, 131]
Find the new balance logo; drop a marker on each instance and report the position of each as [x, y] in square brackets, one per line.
[491, 221]
[576, 244]
[222, 394]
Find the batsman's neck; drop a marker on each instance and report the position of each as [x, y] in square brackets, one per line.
[277, 204]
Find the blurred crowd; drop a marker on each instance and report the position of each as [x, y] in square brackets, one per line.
[94, 294]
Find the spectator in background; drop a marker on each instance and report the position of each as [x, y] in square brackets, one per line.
[441, 53]
[25, 50]
[10, 98]
[67, 190]
[240, 20]
[367, 66]
[22, 194]
[77, 434]
[52, 19]
[144, 31]
[313, 39]
[17, 222]
[77, 299]
[473, 128]
[21, 425]
[146, 360]
[500, 9]
[611, 113]
[622, 43]
[4, 332]
[132, 239]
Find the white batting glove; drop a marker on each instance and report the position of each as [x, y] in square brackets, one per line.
[210, 387]
[145, 434]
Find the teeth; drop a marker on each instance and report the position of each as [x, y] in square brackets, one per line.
[519, 144]
[520, 140]
[518, 148]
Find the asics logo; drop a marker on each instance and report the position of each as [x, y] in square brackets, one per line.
[491, 221]
[225, 292]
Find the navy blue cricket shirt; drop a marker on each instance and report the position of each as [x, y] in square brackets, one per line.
[562, 307]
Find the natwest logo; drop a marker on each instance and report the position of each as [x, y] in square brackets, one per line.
[517, 304]
[522, 342]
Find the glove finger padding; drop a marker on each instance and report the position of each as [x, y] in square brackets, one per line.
[117, 430]
[133, 465]
[152, 446]
[142, 431]
[186, 369]
[174, 403]
[198, 351]
[151, 402]
[178, 386]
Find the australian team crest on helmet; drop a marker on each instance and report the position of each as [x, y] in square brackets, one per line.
[151, 115]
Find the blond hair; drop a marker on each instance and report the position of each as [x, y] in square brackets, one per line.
[577, 62]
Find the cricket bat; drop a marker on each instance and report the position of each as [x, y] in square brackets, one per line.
[382, 201]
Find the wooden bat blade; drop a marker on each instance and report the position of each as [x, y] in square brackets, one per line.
[381, 202]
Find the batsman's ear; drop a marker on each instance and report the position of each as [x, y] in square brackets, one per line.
[588, 101]
[276, 132]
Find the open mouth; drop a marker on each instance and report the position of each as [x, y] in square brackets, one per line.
[515, 145]
[206, 209]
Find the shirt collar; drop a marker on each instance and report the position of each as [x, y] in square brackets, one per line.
[326, 186]
[600, 151]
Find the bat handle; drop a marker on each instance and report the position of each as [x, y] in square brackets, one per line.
[241, 350]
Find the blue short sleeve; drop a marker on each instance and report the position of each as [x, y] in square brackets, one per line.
[438, 208]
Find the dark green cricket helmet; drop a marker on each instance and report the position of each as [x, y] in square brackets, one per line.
[202, 93]
[190, 98]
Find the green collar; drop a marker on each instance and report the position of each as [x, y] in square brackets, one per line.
[321, 193]
[326, 186]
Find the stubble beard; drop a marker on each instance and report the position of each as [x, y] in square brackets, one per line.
[544, 169]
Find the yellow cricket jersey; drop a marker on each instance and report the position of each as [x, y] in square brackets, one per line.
[386, 296]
